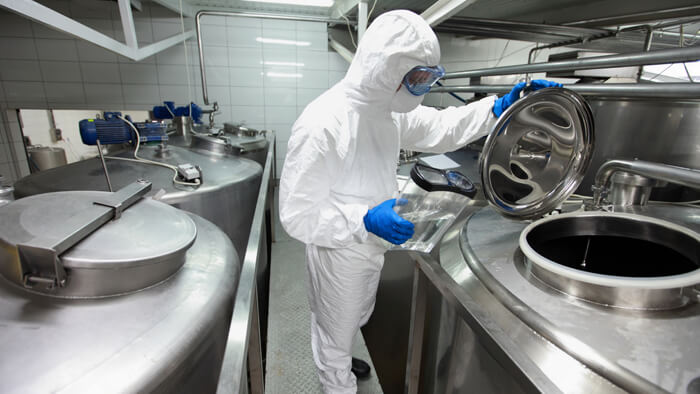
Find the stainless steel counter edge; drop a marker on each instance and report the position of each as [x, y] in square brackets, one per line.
[572, 346]
[496, 340]
[234, 364]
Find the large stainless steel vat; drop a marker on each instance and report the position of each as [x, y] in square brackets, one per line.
[482, 320]
[165, 335]
[227, 196]
[634, 350]
[44, 157]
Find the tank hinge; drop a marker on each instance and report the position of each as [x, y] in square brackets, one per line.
[45, 268]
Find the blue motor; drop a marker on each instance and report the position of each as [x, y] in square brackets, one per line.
[168, 111]
[113, 130]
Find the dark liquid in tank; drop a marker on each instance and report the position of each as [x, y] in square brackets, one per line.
[618, 256]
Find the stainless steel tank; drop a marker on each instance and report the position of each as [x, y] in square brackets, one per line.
[621, 318]
[581, 302]
[591, 297]
[141, 304]
[232, 139]
[661, 131]
[44, 157]
[227, 196]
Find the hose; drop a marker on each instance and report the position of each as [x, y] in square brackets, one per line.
[146, 161]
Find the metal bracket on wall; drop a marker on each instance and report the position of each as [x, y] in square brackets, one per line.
[57, 21]
[444, 9]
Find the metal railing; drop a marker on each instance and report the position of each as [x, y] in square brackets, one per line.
[244, 342]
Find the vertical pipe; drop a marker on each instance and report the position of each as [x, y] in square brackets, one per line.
[200, 48]
[104, 165]
[361, 19]
[647, 47]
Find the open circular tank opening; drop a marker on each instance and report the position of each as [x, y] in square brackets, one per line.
[614, 259]
[616, 246]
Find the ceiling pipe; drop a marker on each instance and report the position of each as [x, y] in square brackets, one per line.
[344, 52]
[638, 17]
[651, 90]
[361, 19]
[444, 9]
[675, 55]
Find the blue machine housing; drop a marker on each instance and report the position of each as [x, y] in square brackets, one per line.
[113, 130]
[167, 111]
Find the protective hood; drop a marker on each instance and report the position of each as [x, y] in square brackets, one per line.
[394, 43]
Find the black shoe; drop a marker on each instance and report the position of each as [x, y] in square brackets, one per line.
[360, 368]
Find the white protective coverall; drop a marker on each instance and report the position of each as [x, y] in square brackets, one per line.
[342, 160]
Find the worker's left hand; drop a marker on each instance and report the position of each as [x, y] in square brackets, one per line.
[387, 224]
[502, 103]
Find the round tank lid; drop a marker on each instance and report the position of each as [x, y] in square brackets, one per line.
[538, 153]
[143, 247]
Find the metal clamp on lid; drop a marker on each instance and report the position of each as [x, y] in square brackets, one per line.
[433, 179]
[39, 258]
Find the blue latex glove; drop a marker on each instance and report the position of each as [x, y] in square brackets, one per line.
[502, 103]
[387, 224]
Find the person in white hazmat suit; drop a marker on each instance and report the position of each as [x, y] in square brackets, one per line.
[339, 182]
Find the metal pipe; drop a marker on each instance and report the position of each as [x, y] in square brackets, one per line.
[344, 52]
[598, 36]
[635, 59]
[104, 165]
[647, 48]
[654, 90]
[361, 19]
[198, 28]
[638, 17]
[664, 172]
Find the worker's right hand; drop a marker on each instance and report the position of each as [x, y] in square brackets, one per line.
[387, 224]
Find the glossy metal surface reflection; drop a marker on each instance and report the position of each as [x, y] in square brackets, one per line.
[537, 153]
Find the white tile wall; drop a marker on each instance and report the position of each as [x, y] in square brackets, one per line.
[88, 52]
[61, 71]
[24, 92]
[244, 76]
[14, 27]
[143, 94]
[11, 140]
[138, 73]
[243, 37]
[18, 48]
[56, 49]
[20, 70]
[215, 56]
[243, 22]
[100, 72]
[42, 68]
[106, 94]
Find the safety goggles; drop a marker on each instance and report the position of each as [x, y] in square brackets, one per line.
[420, 79]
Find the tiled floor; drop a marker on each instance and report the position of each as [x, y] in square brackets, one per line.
[290, 367]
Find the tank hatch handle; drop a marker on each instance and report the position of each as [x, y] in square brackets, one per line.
[40, 258]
